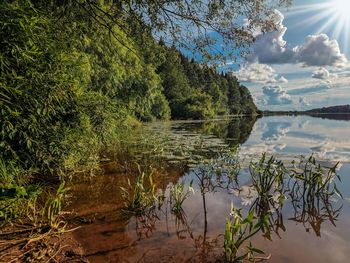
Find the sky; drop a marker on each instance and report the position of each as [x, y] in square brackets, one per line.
[305, 63]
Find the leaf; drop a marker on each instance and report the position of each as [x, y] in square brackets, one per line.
[256, 250]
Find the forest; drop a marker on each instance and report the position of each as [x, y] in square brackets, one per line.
[69, 86]
[77, 76]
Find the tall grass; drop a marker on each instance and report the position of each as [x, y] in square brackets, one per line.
[239, 232]
[178, 195]
[16, 197]
[313, 187]
[308, 185]
[141, 196]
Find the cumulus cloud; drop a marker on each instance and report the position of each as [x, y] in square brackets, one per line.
[282, 80]
[270, 48]
[276, 95]
[259, 73]
[256, 72]
[321, 73]
[318, 50]
[324, 74]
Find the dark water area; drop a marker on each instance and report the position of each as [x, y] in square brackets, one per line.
[301, 233]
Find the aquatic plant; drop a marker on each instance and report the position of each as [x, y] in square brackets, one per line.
[314, 178]
[313, 187]
[140, 196]
[178, 195]
[309, 185]
[54, 204]
[268, 176]
[239, 232]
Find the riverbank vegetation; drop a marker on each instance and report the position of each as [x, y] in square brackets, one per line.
[76, 76]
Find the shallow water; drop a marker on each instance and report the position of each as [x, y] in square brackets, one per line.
[107, 234]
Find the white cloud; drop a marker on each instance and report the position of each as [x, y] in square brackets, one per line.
[282, 80]
[270, 48]
[324, 74]
[259, 73]
[321, 73]
[317, 50]
[256, 72]
[276, 95]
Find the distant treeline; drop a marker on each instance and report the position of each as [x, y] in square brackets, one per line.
[332, 109]
[71, 83]
[341, 112]
[197, 91]
[340, 109]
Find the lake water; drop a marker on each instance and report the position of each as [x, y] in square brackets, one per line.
[301, 233]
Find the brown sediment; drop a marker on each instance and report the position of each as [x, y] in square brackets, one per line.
[39, 245]
[96, 207]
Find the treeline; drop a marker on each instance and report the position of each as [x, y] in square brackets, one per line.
[332, 109]
[70, 83]
[197, 91]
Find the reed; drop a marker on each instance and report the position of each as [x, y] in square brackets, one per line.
[178, 195]
[238, 234]
[141, 196]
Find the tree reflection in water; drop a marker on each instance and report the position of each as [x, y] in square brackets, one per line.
[309, 189]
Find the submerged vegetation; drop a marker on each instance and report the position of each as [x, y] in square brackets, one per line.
[306, 184]
[77, 76]
[74, 81]
[238, 232]
[142, 196]
[70, 87]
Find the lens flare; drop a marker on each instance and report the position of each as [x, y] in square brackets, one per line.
[332, 18]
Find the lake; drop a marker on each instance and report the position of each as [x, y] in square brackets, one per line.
[313, 228]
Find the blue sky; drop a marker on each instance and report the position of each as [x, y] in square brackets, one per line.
[304, 63]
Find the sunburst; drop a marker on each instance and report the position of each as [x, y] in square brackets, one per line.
[332, 16]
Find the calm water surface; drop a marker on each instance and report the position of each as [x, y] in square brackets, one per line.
[109, 235]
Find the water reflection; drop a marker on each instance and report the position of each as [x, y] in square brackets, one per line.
[195, 234]
[292, 136]
[339, 117]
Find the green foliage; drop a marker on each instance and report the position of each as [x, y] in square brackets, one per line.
[238, 232]
[141, 196]
[15, 196]
[67, 87]
[198, 92]
[69, 83]
[53, 205]
[178, 196]
[268, 177]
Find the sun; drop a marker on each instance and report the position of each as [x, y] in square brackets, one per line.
[342, 8]
[331, 17]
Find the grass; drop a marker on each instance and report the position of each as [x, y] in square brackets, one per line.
[308, 185]
[26, 223]
[141, 196]
[178, 195]
[312, 190]
[238, 232]
[54, 204]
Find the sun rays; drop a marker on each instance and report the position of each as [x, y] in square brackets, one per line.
[331, 17]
